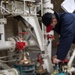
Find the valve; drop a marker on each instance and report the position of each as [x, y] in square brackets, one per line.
[22, 33]
[50, 37]
[20, 45]
[39, 60]
[65, 61]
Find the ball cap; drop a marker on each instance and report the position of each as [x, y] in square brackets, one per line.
[47, 19]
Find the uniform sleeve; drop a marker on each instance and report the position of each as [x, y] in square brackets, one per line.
[66, 40]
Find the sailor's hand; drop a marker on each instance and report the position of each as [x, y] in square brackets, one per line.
[55, 60]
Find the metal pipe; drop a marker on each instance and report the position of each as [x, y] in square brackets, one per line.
[1, 6]
[48, 6]
[4, 45]
[4, 10]
[11, 71]
[24, 6]
[31, 43]
[71, 60]
[2, 32]
[33, 49]
[33, 36]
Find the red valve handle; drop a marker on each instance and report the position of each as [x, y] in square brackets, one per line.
[23, 33]
[20, 45]
[65, 61]
[50, 36]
